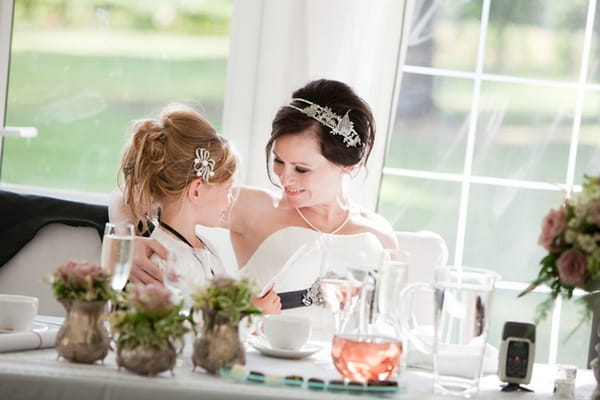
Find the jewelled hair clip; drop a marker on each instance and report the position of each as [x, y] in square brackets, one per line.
[339, 125]
[203, 164]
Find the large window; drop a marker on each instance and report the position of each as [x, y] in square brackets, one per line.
[81, 71]
[497, 113]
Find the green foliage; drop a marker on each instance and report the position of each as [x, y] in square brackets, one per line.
[228, 297]
[97, 290]
[136, 328]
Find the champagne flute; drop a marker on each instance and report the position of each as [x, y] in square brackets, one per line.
[337, 291]
[117, 252]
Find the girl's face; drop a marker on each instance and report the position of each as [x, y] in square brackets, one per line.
[306, 176]
[216, 200]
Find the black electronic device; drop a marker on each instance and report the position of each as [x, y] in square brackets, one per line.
[517, 354]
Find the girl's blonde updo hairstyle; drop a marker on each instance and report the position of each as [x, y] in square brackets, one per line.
[159, 161]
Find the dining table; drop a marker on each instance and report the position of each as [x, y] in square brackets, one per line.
[41, 374]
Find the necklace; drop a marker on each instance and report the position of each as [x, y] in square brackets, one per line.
[184, 240]
[333, 232]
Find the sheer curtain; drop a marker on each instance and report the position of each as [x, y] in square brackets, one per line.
[279, 45]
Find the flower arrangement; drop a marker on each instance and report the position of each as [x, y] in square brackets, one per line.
[81, 280]
[223, 303]
[227, 297]
[571, 235]
[149, 318]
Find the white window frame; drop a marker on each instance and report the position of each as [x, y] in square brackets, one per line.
[466, 178]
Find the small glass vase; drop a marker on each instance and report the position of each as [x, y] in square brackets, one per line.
[219, 345]
[147, 360]
[83, 338]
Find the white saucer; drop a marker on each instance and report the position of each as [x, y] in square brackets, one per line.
[38, 327]
[264, 348]
[34, 327]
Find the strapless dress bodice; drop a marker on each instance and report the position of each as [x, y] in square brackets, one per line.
[291, 258]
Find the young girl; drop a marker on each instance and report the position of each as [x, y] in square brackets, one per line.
[178, 173]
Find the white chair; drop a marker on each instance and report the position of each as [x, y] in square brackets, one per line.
[52, 246]
[427, 250]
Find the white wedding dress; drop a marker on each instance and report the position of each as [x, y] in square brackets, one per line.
[291, 259]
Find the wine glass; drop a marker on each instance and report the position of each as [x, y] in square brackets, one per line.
[117, 252]
[337, 290]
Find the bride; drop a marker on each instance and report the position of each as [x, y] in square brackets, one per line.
[317, 142]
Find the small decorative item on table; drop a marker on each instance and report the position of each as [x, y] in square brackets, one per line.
[147, 328]
[571, 235]
[224, 302]
[83, 288]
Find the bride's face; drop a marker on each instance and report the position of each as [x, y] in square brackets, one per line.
[307, 177]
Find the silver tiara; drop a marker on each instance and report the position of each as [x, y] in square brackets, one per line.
[203, 164]
[339, 125]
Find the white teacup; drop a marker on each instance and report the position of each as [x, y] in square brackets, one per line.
[286, 332]
[17, 312]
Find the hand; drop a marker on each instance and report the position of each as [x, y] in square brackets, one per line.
[270, 303]
[143, 270]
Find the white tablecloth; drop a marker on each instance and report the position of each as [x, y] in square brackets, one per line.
[38, 374]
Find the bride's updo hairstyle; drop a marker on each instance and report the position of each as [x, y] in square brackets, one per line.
[162, 159]
[312, 107]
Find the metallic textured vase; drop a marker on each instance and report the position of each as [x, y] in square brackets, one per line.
[147, 360]
[220, 345]
[83, 338]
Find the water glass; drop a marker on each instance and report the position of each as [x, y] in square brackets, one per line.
[462, 298]
[117, 252]
[462, 304]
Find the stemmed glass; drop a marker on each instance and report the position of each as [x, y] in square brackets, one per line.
[337, 289]
[117, 252]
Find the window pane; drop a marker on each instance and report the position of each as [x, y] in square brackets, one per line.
[81, 74]
[503, 226]
[416, 204]
[571, 338]
[524, 132]
[431, 125]
[594, 64]
[536, 38]
[444, 34]
[588, 152]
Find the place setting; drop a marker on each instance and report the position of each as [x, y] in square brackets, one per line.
[284, 336]
[18, 328]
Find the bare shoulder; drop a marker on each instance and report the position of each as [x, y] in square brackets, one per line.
[250, 203]
[378, 225]
[250, 193]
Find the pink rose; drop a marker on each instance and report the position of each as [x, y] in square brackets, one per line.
[595, 212]
[552, 226]
[572, 267]
[222, 281]
[81, 273]
[151, 297]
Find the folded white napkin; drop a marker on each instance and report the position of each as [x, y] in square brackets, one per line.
[42, 335]
[457, 360]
